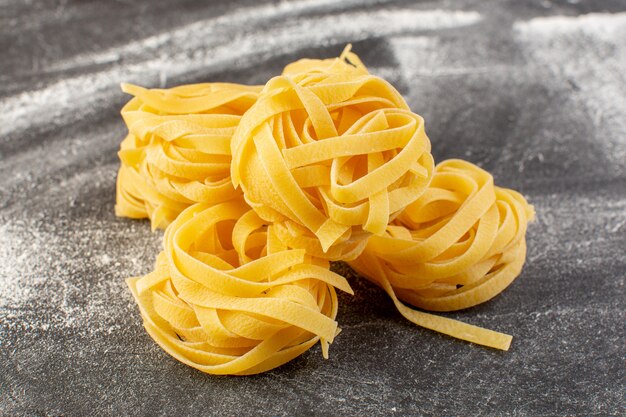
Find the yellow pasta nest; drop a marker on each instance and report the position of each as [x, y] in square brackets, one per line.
[262, 186]
[330, 156]
[227, 297]
[460, 244]
[177, 151]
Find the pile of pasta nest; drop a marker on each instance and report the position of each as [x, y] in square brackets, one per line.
[259, 188]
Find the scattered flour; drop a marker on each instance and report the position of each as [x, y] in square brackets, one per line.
[204, 46]
[75, 275]
[588, 52]
[603, 26]
[15, 265]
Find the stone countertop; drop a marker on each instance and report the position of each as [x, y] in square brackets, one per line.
[532, 91]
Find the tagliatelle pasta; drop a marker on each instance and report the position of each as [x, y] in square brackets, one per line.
[227, 297]
[262, 186]
[330, 155]
[460, 244]
[177, 151]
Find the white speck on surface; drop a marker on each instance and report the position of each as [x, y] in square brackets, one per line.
[105, 259]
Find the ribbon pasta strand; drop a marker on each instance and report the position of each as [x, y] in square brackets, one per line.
[460, 244]
[227, 297]
[177, 151]
[347, 63]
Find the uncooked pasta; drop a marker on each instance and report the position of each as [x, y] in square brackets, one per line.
[263, 186]
[177, 151]
[460, 244]
[330, 156]
[227, 297]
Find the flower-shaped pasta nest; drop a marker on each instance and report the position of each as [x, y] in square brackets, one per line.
[460, 244]
[177, 151]
[227, 297]
[330, 156]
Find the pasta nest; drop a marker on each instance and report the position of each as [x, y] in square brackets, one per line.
[177, 151]
[227, 297]
[460, 244]
[330, 156]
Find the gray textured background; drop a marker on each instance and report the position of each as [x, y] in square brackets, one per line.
[534, 92]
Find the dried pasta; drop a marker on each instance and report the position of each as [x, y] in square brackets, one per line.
[330, 155]
[259, 188]
[460, 244]
[177, 151]
[227, 297]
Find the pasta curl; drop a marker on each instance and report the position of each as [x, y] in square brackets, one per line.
[330, 155]
[347, 63]
[227, 297]
[460, 244]
[177, 151]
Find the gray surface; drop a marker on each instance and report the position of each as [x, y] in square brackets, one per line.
[533, 92]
